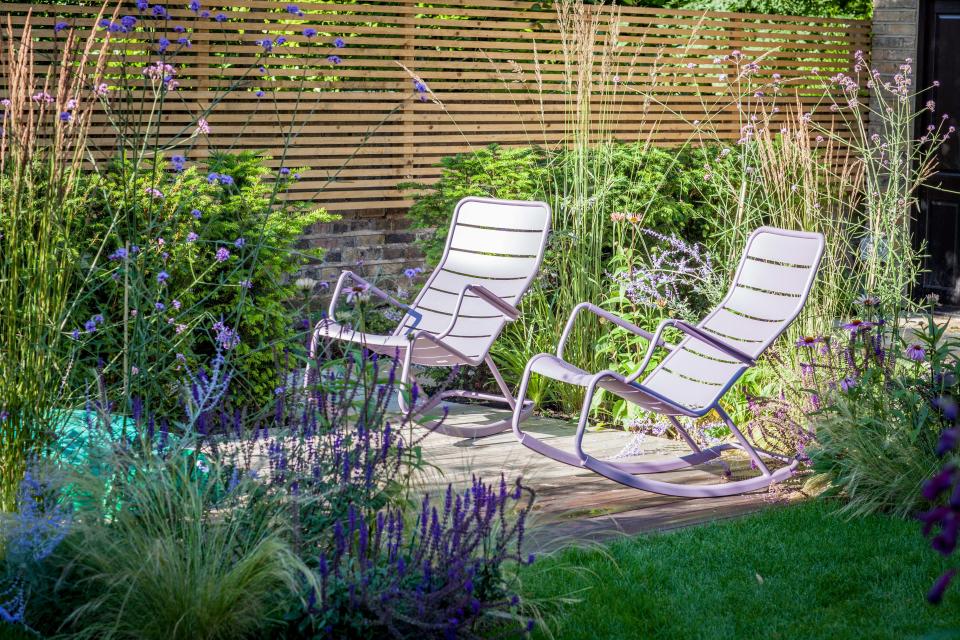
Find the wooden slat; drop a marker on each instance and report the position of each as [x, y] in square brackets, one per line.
[495, 68]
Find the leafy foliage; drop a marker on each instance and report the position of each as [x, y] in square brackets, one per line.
[165, 269]
[878, 423]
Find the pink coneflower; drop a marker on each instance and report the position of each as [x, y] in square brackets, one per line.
[916, 352]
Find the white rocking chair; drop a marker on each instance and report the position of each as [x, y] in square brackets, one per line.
[493, 252]
[769, 290]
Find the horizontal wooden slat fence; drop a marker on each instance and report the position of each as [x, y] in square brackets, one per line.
[495, 70]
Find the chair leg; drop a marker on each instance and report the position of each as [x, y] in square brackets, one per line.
[626, 473]
[524, 409]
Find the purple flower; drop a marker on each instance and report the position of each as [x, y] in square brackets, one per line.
[192, 237]
[90, 326]
[280, 41]
[246, 284]
[194, 5]
[184, 42]
[223, 254]
[935, 595]
[857, 325]
[266, 43]
[848, 383]
[177, 162]
[196, 213]
[259, 93]
[142, 5]
[334, 59]
[162, 277]
[153, 192]
[129, 22]
[809, 341]
[75, 334]
[284, 171]
[176, 304]
[339, 43]
[225, 179]
[294, 9]
[162, 45]
[916, 352]
[65, 116]
[160, 306]
[948, 441]
[180, 29]
[159, 11]
[212, 178]
[239, 242]
[60, 26]
[220, 17]
[309, 32]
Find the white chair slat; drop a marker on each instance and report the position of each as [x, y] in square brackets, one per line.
[742, 329]
[689, 393]
[533, 216]
[514, 243]
[481, 267]
[775, 278]
[442, 301]
[692, 365]
[763, 305]
[787, 249]
[454, 283]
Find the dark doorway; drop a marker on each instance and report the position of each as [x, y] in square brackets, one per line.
[938, 221]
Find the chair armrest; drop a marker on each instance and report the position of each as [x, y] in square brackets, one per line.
[380, 293]
[715, 342]
[509, 311]
[697, 333]
[606, 315]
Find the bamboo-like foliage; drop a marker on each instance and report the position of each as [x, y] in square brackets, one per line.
[45, 120]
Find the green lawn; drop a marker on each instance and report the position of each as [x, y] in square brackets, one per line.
[790, 572]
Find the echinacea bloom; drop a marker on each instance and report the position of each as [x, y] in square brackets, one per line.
[809, 341]
[916, 352]
[856, 325]
[223, 254]
[868, 300]
[355, 291]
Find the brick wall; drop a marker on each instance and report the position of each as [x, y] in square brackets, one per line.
[895, 24]
[376, 244]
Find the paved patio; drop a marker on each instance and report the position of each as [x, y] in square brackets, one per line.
[575, 503]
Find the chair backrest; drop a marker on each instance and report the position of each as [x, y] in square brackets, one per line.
[769, 290]
[498, 244]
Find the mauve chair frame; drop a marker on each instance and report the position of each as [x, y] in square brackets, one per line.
[519, 410]
[625, 473]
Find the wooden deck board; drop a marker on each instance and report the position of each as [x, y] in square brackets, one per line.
[573, 503]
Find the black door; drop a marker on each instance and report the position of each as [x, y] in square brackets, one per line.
[939, 219]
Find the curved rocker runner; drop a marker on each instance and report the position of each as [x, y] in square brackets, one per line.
[770, 287]
[493, 252]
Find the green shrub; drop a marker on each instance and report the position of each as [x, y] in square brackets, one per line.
[878, 424]
[165, 269]
[656, 188]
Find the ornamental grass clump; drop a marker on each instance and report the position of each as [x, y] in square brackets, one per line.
[873, 397]
[44, 121]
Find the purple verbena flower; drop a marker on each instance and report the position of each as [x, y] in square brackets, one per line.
[223, 254]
